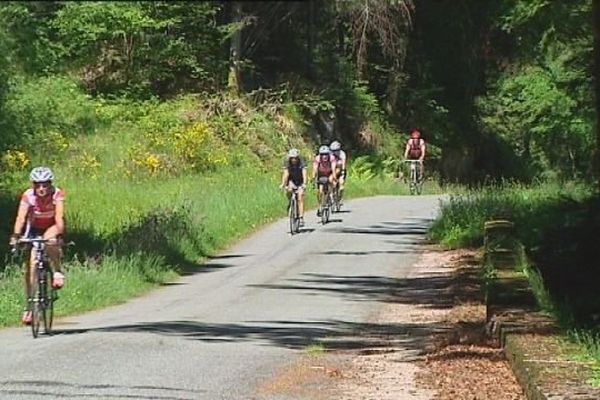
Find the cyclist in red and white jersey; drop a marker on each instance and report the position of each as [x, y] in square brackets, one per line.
[415, 150]
[41, 213]
[323, 170]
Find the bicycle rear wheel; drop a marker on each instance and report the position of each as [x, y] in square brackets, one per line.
[48, 303]
[323, 207]
[413, 180]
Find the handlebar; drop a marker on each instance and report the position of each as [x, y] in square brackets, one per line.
[35, 240]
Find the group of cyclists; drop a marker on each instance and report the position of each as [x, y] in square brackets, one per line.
[41, 209]
[328, 168]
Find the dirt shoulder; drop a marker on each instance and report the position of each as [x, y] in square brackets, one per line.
[430, 344]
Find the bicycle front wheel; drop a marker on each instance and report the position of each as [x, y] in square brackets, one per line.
[413, 180]
[35, 304]
[291, 213]
[324, 209]
[47, 303]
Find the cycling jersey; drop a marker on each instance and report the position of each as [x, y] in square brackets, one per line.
[295, 171]
[42, 215]
[341, 157]
[414, 148]
[324, 168]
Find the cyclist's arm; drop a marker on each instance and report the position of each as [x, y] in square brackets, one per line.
[284, 176]
[21, 218]
[406, 150]
[59, 217]
[422, 151]
[314, 170]
[304, 175]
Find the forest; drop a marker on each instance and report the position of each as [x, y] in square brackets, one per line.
[504, 91]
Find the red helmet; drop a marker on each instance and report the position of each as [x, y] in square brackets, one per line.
[415, 134]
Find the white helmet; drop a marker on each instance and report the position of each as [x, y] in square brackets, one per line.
[41, 174]
[324, 150]
[293, 153]
[335, 146]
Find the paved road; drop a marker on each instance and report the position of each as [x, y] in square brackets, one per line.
[219, 333]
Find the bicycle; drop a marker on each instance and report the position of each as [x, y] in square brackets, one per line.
[415, 183]
[294, 212]
[325, 205]
[41, 303]
[335, 200]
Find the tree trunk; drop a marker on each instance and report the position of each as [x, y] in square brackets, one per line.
[234, 82]
[310, 39]
[596, 28]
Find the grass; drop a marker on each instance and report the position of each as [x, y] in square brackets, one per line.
[315, 350]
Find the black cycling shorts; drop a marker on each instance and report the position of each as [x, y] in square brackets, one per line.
[323, 180]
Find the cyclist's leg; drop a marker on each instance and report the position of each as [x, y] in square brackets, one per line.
[319, 195]
[301, 201]
[342, 181]
[53, 249]
[54, 252]
[332, 182]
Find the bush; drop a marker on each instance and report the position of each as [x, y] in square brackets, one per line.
[38, 106]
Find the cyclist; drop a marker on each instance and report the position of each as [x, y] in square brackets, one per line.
[41, 212]
[341, 163]
[415, 150]
[324, 165]
[294, 177]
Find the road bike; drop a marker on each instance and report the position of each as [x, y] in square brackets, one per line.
[325, 206]
[43, 296]
[336, 201]
[294, 212]
[415, 182]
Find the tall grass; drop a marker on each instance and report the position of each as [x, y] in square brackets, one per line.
[532, 208]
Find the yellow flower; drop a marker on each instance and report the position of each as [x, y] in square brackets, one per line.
[15, 160]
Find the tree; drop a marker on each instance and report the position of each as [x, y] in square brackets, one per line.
[386, 21]
[234, 82]
[596, 27]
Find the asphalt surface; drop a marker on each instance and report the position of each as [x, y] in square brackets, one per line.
[220, 332]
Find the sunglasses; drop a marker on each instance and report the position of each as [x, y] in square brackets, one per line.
[42, 185]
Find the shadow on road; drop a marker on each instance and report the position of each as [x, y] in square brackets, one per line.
[334, 335]
[425, 291]
[365, 253]
[41, 388]
[412, 227]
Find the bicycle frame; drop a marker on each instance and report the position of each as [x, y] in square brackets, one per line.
[40, 301]
[294, 211]
[415, 184]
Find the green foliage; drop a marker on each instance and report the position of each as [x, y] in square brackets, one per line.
[540, 120]
[542, 103]
[49, 104]
[463, 215]
[141, 48]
